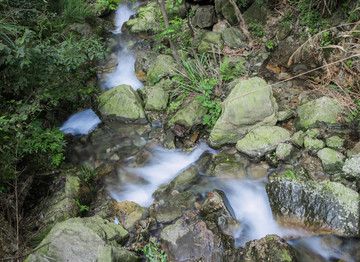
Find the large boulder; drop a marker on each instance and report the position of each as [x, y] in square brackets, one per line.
[261, 140]
[84, 239]
[204, 16]
[270, 248]
[322, 111]
[249, 105]
[256, 13]
[225, 9]
[327, 206]
[163, 65]
[145, 22]
[122, 102]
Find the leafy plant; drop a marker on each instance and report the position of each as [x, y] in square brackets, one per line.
[81, 207]
[89, 174]
[153, 253]
[270, 45]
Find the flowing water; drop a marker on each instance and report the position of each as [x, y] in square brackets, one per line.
[247, 198]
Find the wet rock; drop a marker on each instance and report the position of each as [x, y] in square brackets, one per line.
[331, 160]
[211, 41]
[163, 65]
[226, 165]
[217, 209]
[261, 140]
[171, 208]
[335, 142]
[352, 166]
[143, 62]
[78, 239]
[322, 111]
[123, 103]
[313, 144]
[225, 9]
[188, 117]
[194, 240]
[248, 106]
[234, 37]
[204, 16]
[284, 150]
[145, 22]
[257, 170]
[298, 138]
[270, 248]
[156, 98]
[328, 206]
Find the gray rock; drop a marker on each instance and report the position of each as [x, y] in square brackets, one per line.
[313, 144]
[322, 111]
[163, 65]
[230, 166]
[353, 151]
[331, 160]
[249, 105]
[204, 16]
[81, 239]
[261, 140]
[122, 103]
[285, 115]
[335, 142]
[298, 138]
[352, 166]
[225, 9]
[156, 98]
[270, 248]
[256, 13]
[211, 41]
[284, 150]
[234, 37]
[327, 206]
[145, 22]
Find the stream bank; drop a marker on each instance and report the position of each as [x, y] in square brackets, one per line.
[269, 171]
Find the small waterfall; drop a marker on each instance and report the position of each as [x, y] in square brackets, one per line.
[81, 123]
[124, 72]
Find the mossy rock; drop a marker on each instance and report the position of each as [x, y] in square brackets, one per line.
[163, 65]
[123, 103]
[331, 160]
[211, 41]
[145, 22]
[156, 97]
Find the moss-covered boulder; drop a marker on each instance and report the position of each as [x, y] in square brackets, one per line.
[83, 239]
[156, 98]
[331, 160]
[123, 103]
[204, 16]
[327, 206]
[249, 105]
[298, 138]
[284, 150]
[322, 111]
[256, 13]
[145, 22]
[270, 248]
[224, 9]
[335, 142]
[163, 65]
[313, 144]
[190, 115]
[234, 37]
[261, 140]
[211, 41]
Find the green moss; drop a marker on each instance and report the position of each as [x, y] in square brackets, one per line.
[285, 256]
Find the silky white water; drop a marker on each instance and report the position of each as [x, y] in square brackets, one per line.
[124, 72]
[163, 167]
[81, 123]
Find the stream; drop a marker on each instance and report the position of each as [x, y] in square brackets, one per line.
[247, 197]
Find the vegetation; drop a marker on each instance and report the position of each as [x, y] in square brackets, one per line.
[153, 253]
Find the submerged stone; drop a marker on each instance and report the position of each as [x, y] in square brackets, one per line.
[327, 206]
[261, 140]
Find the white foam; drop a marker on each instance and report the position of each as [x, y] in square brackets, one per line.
[81, 123]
